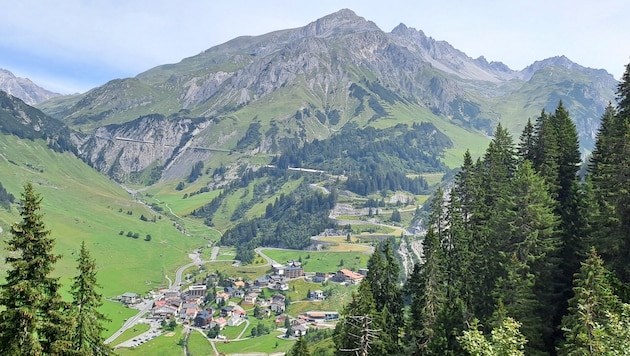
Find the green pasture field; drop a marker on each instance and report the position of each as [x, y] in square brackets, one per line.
[372, 229]
[167, 197]
[325, 261]
[199, 344]
[340, 296]
[260, 344]
[246, 272]
[79, 204]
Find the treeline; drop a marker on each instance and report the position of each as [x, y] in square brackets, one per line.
[289, 222]
[374, 159]
[521, 257]
[6, 198]
[35, 320]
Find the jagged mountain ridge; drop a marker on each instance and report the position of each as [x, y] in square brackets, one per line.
[336, 70]
[24, 88]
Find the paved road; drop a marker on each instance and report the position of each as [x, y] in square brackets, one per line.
[145, 308]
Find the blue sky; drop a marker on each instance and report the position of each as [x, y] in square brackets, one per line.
[72, 46]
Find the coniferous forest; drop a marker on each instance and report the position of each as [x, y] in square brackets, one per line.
[525, 254]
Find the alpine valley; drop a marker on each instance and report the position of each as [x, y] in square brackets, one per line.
[337, 128]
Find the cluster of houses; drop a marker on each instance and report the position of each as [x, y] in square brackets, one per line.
[188, 306]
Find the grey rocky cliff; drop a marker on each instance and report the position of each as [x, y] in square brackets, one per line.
[340, 64]
[24, 88]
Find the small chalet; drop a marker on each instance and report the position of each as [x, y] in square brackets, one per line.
[188, 311]
[239, 284]
[220, 321]
[279, 285]
[299, 329]
[317, 295]
[226, 311]
[320, 277]
[222, 297]
[203, 318]
[262, 282]
[239, 293]
[130, 298]
[250, 299]
[278, 303]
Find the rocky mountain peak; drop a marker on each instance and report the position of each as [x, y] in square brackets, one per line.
[342, 21]
[23, 88]
[557, 61]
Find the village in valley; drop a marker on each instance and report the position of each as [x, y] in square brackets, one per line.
[222, 307]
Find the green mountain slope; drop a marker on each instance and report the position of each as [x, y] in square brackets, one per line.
[80, 204]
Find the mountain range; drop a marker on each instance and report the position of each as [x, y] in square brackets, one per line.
[307, 83]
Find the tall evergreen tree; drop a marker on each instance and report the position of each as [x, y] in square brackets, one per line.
[87, 336]
[34, 321]
[546, 152]
[428, 295]
[568, 153]
[610, 174]
[589, 310]
[529, 229]
[383, 275]
[526, 147]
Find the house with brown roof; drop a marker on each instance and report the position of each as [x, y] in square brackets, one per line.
[347, 276]
[222, 297]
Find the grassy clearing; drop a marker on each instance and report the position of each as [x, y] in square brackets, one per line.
[117, 313]
[325, 261]
[340, 296]
[270, 343]
[245, 272]
[198, 344]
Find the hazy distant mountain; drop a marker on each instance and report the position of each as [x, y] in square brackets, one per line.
[24, 88]
[307, 83]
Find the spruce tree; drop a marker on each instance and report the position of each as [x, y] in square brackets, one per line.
[428, 295]
[529, 229]
[87, 336]
[382, 277]
[300, 348]
[590, 310]
[610, 174]
[34, 320]
[526, 147]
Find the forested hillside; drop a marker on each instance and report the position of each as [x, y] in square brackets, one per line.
[520, 248]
